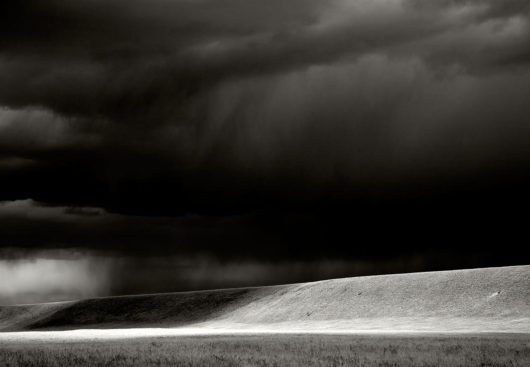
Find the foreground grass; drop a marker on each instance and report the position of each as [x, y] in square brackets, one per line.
[276, 350]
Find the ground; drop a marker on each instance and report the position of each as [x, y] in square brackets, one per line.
[477, 317]
[415, 349]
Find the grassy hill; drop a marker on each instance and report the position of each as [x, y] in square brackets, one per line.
[491, 299]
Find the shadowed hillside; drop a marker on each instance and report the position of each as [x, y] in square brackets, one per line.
[492, 299]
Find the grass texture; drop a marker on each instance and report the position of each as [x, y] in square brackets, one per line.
[477, 300]
[278, 350]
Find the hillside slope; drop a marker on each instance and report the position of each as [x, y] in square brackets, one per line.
[491, 299]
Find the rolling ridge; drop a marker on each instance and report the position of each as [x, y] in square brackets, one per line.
[490, 299]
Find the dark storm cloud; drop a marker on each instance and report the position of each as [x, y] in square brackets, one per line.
[116, 59]
[124, 105]
[274, 130]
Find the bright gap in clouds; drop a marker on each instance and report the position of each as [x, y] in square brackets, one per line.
[46, 280]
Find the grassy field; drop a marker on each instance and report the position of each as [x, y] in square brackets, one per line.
[277, 350]
[476, 300]
[477, 317]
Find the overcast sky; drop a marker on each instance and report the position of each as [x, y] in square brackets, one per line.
[159, 145]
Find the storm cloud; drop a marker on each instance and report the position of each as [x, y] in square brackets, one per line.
[262, 131]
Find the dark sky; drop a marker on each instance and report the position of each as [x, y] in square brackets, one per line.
[160, 145]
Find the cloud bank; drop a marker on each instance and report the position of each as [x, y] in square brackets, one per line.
[255, 96]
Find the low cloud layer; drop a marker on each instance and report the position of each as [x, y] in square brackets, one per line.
[62, 275]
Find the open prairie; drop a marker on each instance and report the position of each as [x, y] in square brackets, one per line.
[277, 350]
[478, 317]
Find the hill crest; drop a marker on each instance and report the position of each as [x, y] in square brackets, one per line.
[489, 299]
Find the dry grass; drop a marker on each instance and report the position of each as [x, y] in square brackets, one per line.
[477, 300]
[277, 350]
[467, 301]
